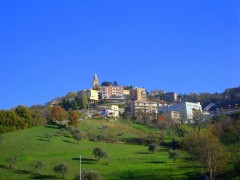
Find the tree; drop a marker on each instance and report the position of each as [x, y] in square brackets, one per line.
[84, 102]
[96, 152]
[11, 161]
[58, 113]
[88, 174]
[38, 165]
[152, 147]
[48, 135]
[115, 83]
[173, 154]
[99, 153]
[23, 112]
[61, 169]
[10, 121]
[77, 137]
[207, 150]
[73, 117]
[105, 83]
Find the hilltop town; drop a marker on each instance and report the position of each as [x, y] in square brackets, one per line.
[113, 100]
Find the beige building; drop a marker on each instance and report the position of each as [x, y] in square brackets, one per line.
[143, 107]
[126, 92]
[93, 95]
[174, 116]
[138, 94]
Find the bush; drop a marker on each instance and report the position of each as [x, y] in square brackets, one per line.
[61, 169]
[152, 147]
[88, 174]
[173, 154]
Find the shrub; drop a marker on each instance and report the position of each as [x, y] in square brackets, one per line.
[61, 169]
[152, 147]
[88, 174]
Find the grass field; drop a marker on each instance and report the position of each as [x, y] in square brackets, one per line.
[126, 161]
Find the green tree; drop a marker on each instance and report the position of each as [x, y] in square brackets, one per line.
[115, 83]
[77, 137]
[173, 154]
[10, 121]
[38, 165]
[48, 135]
[152, 147]
[207, 150]
[88, 174]
[99, 153]
[84, 101]
[23, 112]
[62, 169]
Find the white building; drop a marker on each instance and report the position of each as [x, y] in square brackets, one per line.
[185, 110]
[111, 111]
[91, 94]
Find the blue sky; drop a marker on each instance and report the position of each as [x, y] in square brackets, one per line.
[49, 48]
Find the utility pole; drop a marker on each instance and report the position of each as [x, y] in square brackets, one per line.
[80, 175]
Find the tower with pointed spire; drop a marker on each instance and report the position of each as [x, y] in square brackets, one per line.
[95, 81]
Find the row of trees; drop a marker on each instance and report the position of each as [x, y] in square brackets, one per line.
[21, 117]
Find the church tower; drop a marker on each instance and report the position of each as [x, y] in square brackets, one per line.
[95, 81]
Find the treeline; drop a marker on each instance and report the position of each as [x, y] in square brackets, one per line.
[22, 117]
[230, 98]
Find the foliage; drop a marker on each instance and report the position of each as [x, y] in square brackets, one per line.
[88, 174]
[73, 117]
[61, 169]
[207, 149]
[84, 102]
[227, 129]
[48, 135]
[173, 154]
[10, 121]
[99, 153]
[77, 137]
[11, 161]
[57, 113]
[152, 147]
[38, 165]
[105, 83]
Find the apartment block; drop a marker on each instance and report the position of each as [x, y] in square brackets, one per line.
[143, 107]
[138, 94]
[108, 91]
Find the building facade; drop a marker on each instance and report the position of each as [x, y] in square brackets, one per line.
[93, 95]
[157, 92]
[108, 91]
[138, 94]
[171, 97]
[185, 109]
[143, 107]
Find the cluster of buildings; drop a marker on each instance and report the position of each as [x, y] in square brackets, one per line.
[137, 102]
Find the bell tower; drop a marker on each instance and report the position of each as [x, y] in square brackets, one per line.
[95, 81]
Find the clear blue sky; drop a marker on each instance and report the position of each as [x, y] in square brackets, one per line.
[51, 47]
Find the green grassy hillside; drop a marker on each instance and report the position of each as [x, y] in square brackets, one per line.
[126, 161]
